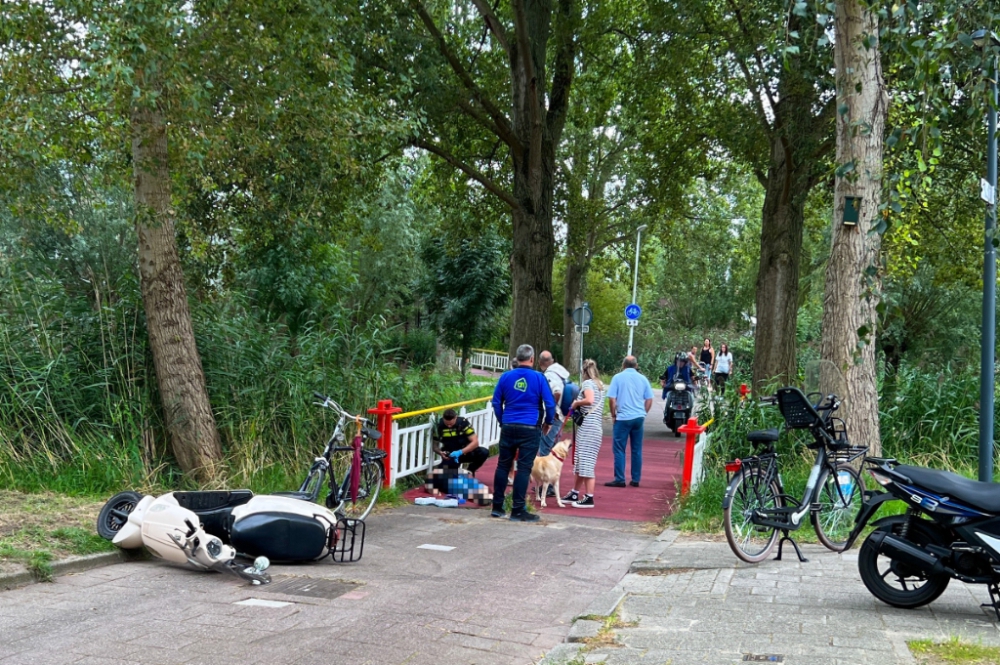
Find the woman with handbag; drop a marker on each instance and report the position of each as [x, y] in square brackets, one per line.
[588, 413]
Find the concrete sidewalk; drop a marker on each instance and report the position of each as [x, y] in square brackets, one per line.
[505, 594]
[692, 601]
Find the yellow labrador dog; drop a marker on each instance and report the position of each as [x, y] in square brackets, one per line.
[546, 471]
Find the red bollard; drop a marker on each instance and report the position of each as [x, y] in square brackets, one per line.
[691, 431]
[385, 411]
[744, 391]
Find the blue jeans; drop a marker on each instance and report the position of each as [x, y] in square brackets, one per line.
[623, 431]
[522, 440]
[549, 440]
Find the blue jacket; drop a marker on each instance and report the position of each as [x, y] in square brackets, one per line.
[523, 397]
[685, 374]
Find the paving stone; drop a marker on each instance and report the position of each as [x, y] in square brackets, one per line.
[562, 654]
[814, 613]
[584, 629]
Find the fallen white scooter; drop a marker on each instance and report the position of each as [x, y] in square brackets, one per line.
[174, 533]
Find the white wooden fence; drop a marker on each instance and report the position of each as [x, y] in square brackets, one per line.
[492, 361]
[412, 451]
[697, 465]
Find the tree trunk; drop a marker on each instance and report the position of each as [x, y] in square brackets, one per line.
[576, 276]
[531, 275]
[538, 132]
[786, 189]
[466, 354]
[181, 380]
[849, 316]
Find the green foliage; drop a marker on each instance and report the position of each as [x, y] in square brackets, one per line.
[466, 287]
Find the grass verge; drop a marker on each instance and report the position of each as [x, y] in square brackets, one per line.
[37, 529]
[953, 652]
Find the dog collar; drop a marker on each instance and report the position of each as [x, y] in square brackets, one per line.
[553, 453]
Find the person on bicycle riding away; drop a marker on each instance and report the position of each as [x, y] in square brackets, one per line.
[457, 443]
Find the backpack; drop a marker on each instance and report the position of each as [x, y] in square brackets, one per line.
[569, 394]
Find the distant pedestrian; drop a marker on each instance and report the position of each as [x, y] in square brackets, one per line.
[723, 368]
[524, 407]
[588, 436]
[629, 397]
[707, 354]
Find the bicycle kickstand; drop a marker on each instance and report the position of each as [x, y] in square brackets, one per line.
[781, 543]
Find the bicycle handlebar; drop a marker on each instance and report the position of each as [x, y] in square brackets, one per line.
[330, 404]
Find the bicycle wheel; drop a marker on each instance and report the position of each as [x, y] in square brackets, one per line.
[368, 488]
[749, 492]
[839, 497]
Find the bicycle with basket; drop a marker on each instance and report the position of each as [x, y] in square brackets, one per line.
[756, 506]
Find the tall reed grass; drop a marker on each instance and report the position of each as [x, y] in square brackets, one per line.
[79, 409]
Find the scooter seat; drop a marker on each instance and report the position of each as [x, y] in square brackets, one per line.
[985, 496]
[209, 500]
[763, 436]
[301, 496]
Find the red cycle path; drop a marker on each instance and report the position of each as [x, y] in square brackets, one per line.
[661, 475]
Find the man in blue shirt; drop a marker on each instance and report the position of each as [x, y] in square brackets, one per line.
[629, 397]
[524, 407]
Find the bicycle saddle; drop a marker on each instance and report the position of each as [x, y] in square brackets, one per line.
[763, 435]
[372, 434]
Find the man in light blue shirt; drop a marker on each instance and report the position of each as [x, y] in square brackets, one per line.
[630, 397]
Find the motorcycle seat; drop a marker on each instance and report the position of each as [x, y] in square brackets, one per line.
[763, 435]
[985, 496]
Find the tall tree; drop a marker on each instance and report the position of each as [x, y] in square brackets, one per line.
[147, 47]
[769, 104]
[535, 40]
[851, 297]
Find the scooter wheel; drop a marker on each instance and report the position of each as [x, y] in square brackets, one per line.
[115, 512]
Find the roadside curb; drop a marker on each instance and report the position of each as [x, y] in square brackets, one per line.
[73, 564]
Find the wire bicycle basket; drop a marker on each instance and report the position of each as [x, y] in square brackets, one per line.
[347, 540]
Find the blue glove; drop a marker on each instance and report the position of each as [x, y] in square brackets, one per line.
[455, 455]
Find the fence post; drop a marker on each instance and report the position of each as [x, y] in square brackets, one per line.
[691, 430]
[385, 411]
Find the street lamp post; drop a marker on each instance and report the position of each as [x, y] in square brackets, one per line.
[983, 39]
[635, 283]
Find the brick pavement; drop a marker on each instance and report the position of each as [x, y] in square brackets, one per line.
[506, 594]
[693, 602]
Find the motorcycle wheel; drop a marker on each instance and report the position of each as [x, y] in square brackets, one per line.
[912, 588]
[115, 512]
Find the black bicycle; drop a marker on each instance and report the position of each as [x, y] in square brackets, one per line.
[347, 499]
[756, 507]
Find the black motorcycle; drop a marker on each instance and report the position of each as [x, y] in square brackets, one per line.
[951, 529]
[679, 406]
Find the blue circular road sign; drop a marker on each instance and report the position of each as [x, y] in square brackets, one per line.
[633, 312]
